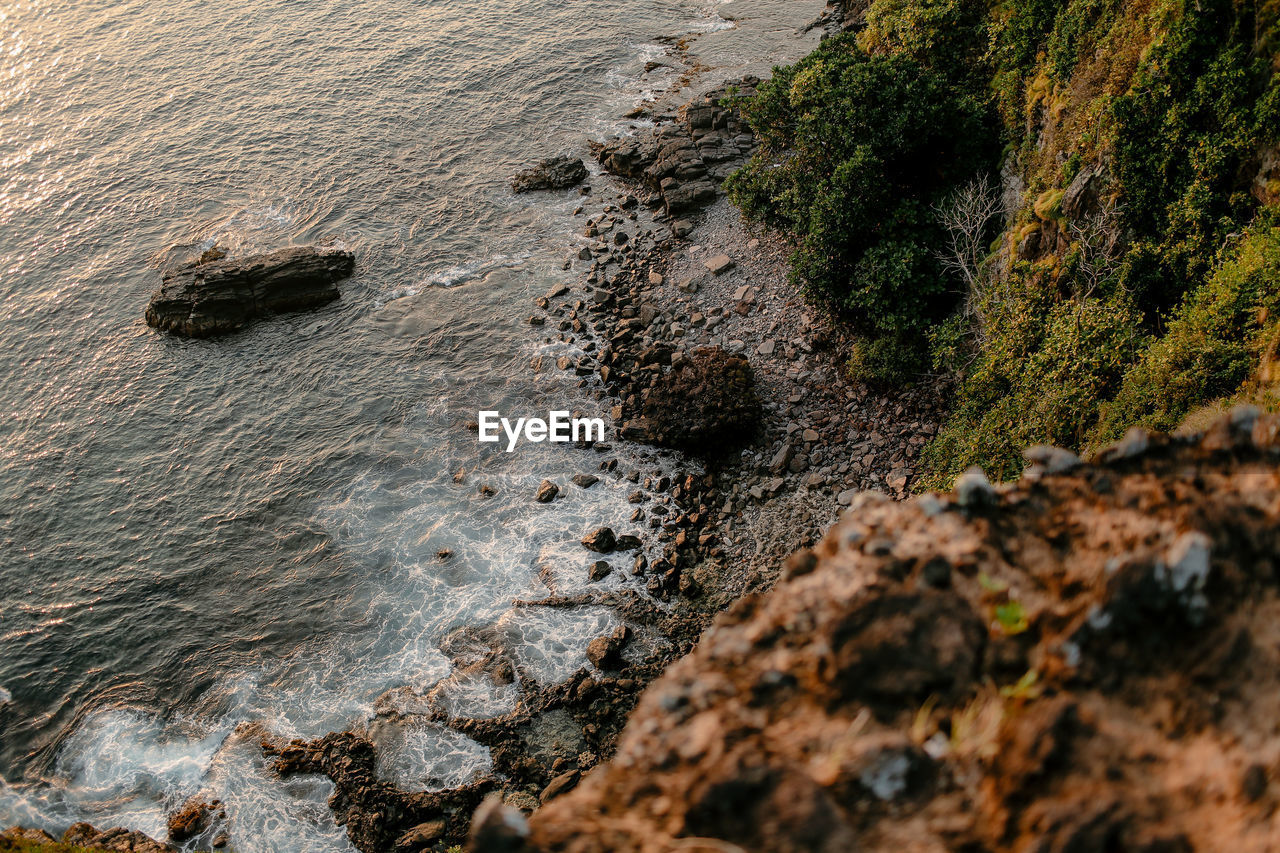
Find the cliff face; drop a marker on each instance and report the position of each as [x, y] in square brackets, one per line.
[1087, 660]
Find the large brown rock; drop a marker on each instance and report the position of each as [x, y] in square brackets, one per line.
[1073, 663]
[707, 402]
[554, 173]
[220, 296]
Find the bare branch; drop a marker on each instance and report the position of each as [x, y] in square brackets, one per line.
[965, 216]
[1095, 237]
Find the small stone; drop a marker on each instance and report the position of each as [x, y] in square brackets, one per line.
[656, 279]
[601, 540]
[719, 264]
[599, 570]
[585, 481]
[559, 785]
[846, 497]
[810, 435]
[605, 652]
[421, 836]
[547, 492]
[767, 347]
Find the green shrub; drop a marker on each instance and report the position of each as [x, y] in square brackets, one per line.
[854, 150]
[1199, 109]
[947, 36]
[1211, 345]
[1040, 378]
[888, 360]
[1074, 34]
[1018, 32]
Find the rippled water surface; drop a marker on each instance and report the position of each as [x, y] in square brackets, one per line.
[199, 534]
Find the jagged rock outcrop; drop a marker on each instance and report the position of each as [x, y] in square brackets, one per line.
[377, 815]
[683, 158]
[195, 818]
[553, 173]
[218, 296]
[81, 836]
[1086, 660]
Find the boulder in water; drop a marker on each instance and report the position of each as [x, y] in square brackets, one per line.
[218, 296]
[554, 173]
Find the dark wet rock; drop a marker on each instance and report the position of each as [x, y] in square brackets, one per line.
[554, 173]
[195, 818]
[547, 492]
[479, 651]
[118, 839]
[214, 298]
[377, 815]
[627, 542]
[683, 162]
[599, 570]
[605, 652]
[585, 481]
[601, 540]
[708, 402]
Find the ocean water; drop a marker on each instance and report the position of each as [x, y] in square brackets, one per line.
[201, 535]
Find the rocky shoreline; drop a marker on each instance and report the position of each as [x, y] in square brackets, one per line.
[687, 329]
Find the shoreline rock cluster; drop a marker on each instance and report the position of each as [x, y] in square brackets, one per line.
[685, 156]
[82, 836]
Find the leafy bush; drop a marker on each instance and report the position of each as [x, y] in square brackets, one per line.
[1040, 378]
[947, 36]
[854, 150]
[1199, 109]
[1128, 308]
[1211, 346]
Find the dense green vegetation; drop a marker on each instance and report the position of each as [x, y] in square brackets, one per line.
[1135, 279]
[854, 151]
